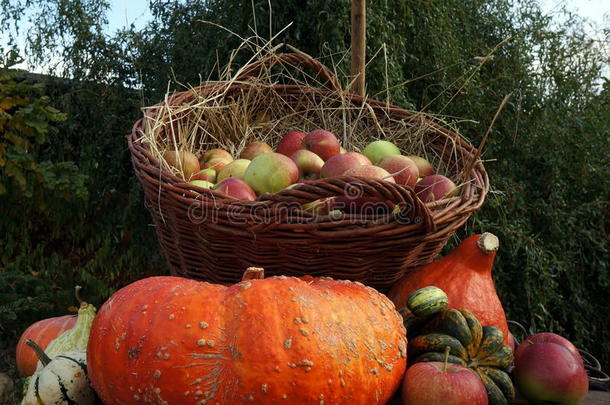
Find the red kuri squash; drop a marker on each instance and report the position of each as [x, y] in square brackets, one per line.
[41, 332]
[170, 340]
[465, 276]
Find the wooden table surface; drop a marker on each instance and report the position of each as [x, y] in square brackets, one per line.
[594, 398]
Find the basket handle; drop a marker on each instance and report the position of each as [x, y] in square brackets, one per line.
[411, 209]
[293, 60]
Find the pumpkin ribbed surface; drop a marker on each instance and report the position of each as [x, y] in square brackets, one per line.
[278, 340]
[41, 332]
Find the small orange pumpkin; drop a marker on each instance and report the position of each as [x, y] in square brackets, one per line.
[465, 276]
[41, 332]
[171, 340]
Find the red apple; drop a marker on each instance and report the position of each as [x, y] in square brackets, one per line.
[424, 167]
[339, 164]
[370, 171]
[215, 159]
[235, 188]
[434, 188]
[186, 162]
[323, 143]
[205, 175]
[546, 370]
[377, 150]
[548, 337]
[271, 172]
[236, 169]
[290, 143]
[309, 164]
[436, 383]
[403, 169]
[254, 149]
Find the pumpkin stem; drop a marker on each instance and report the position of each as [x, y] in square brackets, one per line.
[447, 349]
[78, 297]
[42, 356]
[253, 273]
[488, 243]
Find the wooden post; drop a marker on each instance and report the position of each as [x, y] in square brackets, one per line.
[358, 62]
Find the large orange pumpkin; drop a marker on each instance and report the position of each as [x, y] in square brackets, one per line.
[41, 332]
[465, 276]
[170, 340]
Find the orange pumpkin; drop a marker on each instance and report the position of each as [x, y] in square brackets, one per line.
[170, 340]
[465, 276]
[41, 332]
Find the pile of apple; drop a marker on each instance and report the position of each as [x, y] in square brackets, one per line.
[303, 156]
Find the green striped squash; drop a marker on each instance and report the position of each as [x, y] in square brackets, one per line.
[427, 301]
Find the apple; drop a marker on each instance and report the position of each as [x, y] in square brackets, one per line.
[235, 188]
[435, 187]
[309, 164]
[290, 143]
[236, 169]
[377, 150]
[436, 383]
[548, 337]
[339, 164]
[403, 169]
[254, 149]
[215, 159]
[424, 167]
[271, 172]
[547, 370]
[185, 161]
[202, 183]
[370, 171]
[323, 143]
[205, 174]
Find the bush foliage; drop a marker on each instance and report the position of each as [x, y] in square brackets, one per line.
[547, 156]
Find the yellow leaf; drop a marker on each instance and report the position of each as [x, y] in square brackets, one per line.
[10, 102]
[17, 140]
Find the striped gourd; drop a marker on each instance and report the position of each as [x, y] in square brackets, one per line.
[456, 336]
[62, 380]
[427, 301]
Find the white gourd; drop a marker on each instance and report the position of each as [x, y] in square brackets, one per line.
[63, 380]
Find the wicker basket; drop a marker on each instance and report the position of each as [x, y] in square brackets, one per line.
[205, 235]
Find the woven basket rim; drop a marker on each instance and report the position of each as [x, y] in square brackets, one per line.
[149, 169]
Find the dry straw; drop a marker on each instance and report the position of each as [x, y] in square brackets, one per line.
[209, 236]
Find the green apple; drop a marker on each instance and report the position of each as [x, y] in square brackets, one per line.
[236, 168]
[377, 150]
[202, 183]
[205, 174]
[271, 172]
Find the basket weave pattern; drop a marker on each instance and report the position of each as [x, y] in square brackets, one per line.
[205, 235]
